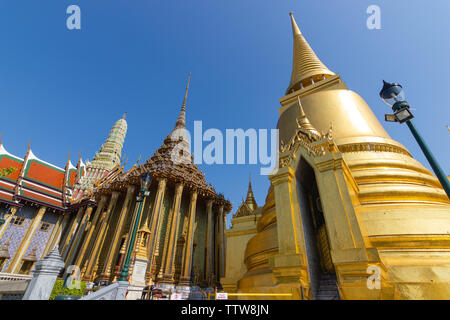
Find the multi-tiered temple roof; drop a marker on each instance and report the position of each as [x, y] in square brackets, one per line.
[37, 181]
[171, 161]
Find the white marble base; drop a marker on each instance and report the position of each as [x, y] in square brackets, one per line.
[134, 292]
[115, 291]
[44, 276]
[139, 269]
[182, 292]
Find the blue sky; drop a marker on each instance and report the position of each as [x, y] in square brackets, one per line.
[63, 89]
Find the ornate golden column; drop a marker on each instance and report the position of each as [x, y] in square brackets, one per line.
[54, 234]
[155, 218]
[290, 263]
[7, 221]
[209, 240]
[90, 228]
[221, 244]
[100, 235]
[187, 259]
[78, 235]
[216, 236]
[71, 232]
[168, 263]
[59, 232]
[15, 263]
[106, 274]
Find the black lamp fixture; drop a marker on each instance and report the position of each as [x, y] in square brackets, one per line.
[394, 96]
[145, 184]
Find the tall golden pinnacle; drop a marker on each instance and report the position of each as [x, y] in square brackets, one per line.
[306, 66]
[181, 121]
[250, 200]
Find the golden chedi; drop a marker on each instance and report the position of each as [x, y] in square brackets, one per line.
[350, 214]
[243, 228]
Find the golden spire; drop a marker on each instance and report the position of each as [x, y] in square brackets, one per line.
[181, 121]
[124, 115]
[1, 134]
[303, 123]
[306, 66]
[250, 200]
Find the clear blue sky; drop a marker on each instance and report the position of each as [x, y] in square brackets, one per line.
[64, 89]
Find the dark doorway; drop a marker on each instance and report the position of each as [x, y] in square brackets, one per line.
[315, 234]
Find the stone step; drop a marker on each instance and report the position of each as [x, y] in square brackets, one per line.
[328, 288]
[327, 292]
[333, 285]
[327, 298]
[331, 281]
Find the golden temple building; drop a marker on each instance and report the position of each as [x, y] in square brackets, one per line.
[349, 214]
[180, 238]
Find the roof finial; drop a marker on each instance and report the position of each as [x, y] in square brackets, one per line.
[295, 28]
[68, 155]
[181, 121]
[29, 144]
[300, 111]
[1, 134]
[187, 89]
[139, 159]
[124, 115]
[304, 124]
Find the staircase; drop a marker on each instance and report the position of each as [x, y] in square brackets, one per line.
[328, 289]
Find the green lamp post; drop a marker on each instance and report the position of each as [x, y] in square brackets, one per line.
[394, 96]
[145, 183]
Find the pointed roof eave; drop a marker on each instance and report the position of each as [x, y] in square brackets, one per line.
[3, 151]
[32, 156]
[69, 164]
[80, 162]
[305, 64]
